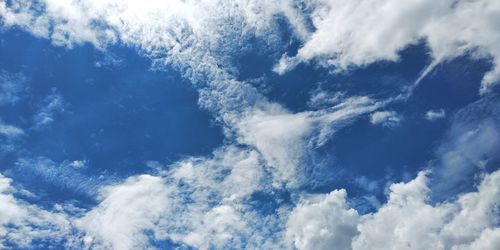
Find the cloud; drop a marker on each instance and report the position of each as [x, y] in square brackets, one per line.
[345, 34]
[78, 164]
[60, 175]
[286, 139]
[21, 223]
[208, 202]
[10, 131]
[470, 146]
[327, 223]
[51, 106]
[199, 38]
[9, 136]
[176, 206]
[12, 87]
[125, 213]
[198, 202]
[433, 115]
[408, 221]
[385, 118]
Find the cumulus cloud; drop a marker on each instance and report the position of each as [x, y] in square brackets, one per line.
[175, 205]
[125, 213]
[406, 221]
[433, 115]
[327, 223]
[357, 33]
[385, 118]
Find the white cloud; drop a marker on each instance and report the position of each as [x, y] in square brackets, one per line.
[9, 135]
[204, 202]
[127, 211]
[199, 37]
[12, 87]
[433, 115]
[61, 175]
[21, 223]
[284, 139]
[408, 221]
[10, 131]
[385, 118]
[78, 164]
[324, 222]
[176, 206]
[51, 106]
[356, 33]
[470, 146]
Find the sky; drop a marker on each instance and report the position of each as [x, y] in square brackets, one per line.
[249, 124]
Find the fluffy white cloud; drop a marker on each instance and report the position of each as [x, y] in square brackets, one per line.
[176, 205]
[360, 32]
[324, 222]
[127, 211]
[21, 223]
[407, 221]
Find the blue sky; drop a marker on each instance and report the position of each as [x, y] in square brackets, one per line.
[325, 124]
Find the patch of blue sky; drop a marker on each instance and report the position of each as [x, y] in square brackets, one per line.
[116, 115]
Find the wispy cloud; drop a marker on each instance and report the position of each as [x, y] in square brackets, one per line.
[385, 118]
[433, 115]
[10, 131]
[52, 106]
[470, 146]
[12, 87]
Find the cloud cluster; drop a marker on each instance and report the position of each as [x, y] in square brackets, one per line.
[21, 222]
[406, 221]
[209, 202]
[144, 208]
[357, 33]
